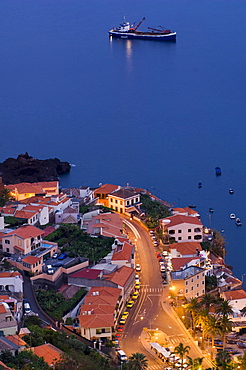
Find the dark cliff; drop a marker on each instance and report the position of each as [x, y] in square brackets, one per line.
[28, 169]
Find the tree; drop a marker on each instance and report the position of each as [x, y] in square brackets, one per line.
[181, 350]
[193, 307]
[206, 301]
[212, 328]
[224, 308]
[137, 361]
[4, 196]
[223, 360]
[196, 363]
[225, 326]
[201, 319]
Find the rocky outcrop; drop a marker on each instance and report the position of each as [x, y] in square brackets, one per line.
[28, 169]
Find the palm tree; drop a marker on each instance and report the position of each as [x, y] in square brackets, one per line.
[137, 361]
[181, 350]
[225, 326]
[206, 301]
[196, 363]
[193, 307]
[224, 308]
[201, 320]
[212, 329]
[223, 359]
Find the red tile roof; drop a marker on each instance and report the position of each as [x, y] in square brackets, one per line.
[26, 231]
[235, 294]
[96, 321]
[178, 219]
[31, 259]
[123, 252]
[87, 274]
[50, 353]
[186, 248]
[105, 189]
[121, 276]
[180, 262]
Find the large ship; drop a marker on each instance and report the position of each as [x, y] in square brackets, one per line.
[127, 31]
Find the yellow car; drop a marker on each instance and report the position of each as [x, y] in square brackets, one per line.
[135, 295]
[125, 315]
[137, 286]
[122, 321]
[130, 304]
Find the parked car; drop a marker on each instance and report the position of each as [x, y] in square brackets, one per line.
[27, 308]
[62, 256]
[135, 295]
[130, 304]
[138, 267]
[50, 269]
[55, 255]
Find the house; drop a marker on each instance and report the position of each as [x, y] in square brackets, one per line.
[186, 211]
[27, 190]
[189, 282]
[11, 281]
[50, 353]
[31, 215]
[106, 224]
[8, 325]
[123, 254]
[124, 279]
[99, 313]
[84, 194]
[183, 228]
[236, 298]
[16, 339]
[185, 249]
[102, 193]
[22, 240]
[69, 215]
[125, 200]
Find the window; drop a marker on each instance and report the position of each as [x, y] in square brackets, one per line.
[197, 237]
[116, 208]
[197, 285]
[127, 202]
[121, 202]
[179, 231]
[19, 242]
[192, 280]
[7, 241]
[186, 283]
[171, 232]
[192, 288]
[179, 238]
[186, 291]
[197, 230]
[7, 249]
[197, 277]
[189, 230]
[189, 237]
[203, 282]
[116, 201]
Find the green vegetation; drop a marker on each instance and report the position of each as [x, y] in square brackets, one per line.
[210, 283]
[24, 360]
[4, 197]
[12, 221]
[217, 245]
[55, 304]
[76, 354]
[154, 210]
[77, 243]
[137, 361]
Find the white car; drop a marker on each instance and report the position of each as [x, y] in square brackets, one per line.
[138, 267]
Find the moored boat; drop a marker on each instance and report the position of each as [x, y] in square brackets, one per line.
[211, 210]
[199, 185]
[127, 31]
[217, 171]
[232, 216]
[231, 191]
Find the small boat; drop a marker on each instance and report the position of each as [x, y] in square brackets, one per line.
[217, 171]
[238, 219]
[238, 223]
[231, 191]
[199, 185]
[211, 210]
[127, 31]
[232, 216]
[192, 206]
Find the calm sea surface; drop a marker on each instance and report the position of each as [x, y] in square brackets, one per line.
[153, 114]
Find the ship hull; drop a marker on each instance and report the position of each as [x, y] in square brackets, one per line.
[143, 36]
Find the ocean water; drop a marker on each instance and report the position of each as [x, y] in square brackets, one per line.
[153, 114]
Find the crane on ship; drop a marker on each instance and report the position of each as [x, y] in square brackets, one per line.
[134, 28]
[162, 30]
